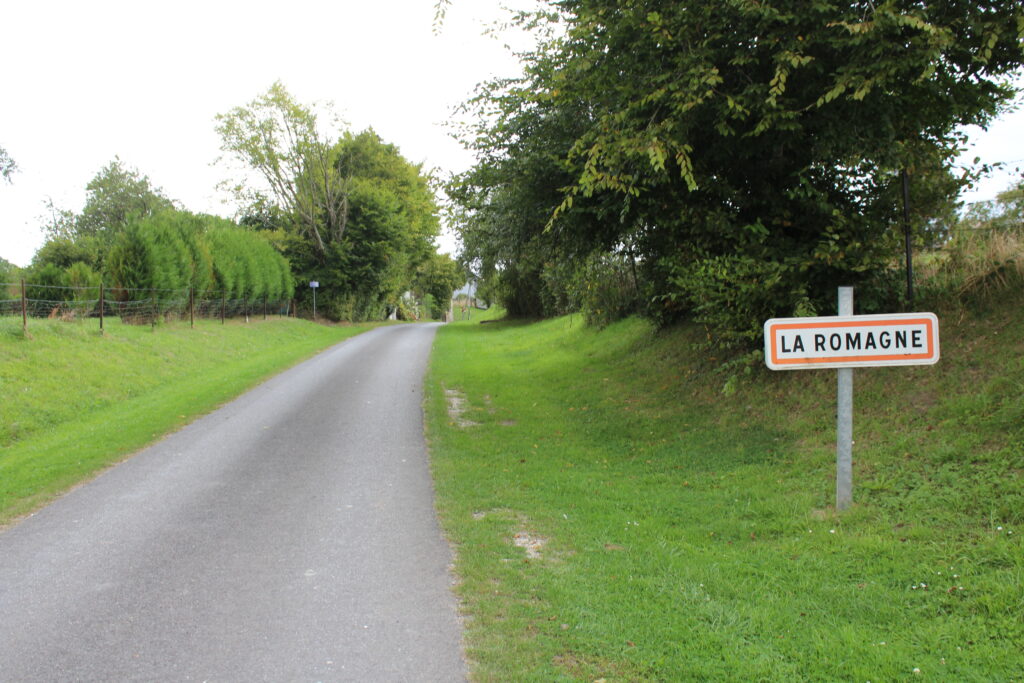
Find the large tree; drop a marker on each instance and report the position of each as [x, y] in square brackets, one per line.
[748, 151]
[117, 195]
[280, 139]
[391, 224]
[350, 213]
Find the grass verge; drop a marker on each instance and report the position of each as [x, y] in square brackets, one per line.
[617, 517]
[73, 401]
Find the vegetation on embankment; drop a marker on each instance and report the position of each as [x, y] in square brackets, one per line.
[73, 401]
[617, 516]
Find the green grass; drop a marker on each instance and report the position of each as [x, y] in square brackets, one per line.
[689, 534]
[73, 401]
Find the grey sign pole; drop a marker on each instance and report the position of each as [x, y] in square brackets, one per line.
[844, 419]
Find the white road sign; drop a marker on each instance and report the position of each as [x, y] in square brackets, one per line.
[851, 341]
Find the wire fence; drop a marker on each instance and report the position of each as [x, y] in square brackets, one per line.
[131, 306]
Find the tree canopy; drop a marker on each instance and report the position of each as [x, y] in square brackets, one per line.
[115, 196]
[352, 213]
[279, 138]
[747, 154]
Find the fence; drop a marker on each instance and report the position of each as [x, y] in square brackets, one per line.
[132, 306]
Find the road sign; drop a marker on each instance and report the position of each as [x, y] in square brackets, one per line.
[851, 341]
[314, 284]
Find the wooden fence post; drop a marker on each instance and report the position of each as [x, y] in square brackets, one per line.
[24, 309]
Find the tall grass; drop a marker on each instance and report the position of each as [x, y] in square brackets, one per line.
[976, 265]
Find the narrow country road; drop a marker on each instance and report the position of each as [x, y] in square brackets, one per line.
[288, 536]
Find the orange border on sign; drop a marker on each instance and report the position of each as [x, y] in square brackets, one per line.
[929, 324]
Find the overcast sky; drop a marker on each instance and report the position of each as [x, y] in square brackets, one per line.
[85, 81]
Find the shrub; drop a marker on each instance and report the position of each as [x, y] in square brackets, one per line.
[605, 288]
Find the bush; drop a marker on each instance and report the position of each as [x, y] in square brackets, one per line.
[732, 296]
[605, 288]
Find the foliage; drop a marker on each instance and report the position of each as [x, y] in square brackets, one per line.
[606, 288]
[741, 140]
[171, 252]
[245, 266]
[982, 259]
[135, 237]
[63, 251]
[353, 215]
[500, 206]
[436, 280]
[43, 279]
[431, 311]
[392, 222]
[8, 271]
[115, 196]
[8, 166]
[279, 139]
[84, 280]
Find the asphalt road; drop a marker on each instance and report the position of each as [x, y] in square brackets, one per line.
[288, 536]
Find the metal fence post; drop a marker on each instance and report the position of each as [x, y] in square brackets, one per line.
[223, 297]
[192, 308]
[102, 303]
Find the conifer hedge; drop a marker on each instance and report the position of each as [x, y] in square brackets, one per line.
[160, 256]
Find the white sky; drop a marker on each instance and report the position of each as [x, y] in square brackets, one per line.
[85, 81]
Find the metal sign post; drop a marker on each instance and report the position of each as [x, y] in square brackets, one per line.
[844, 419]
[313, 284]
[845, 342]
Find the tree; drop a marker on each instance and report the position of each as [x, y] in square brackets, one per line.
[746, 152]
[392, 222]
[279, 139]
[65, 251]
[438, 277]
[500, 206]
[115, 196]
[8, 271]
[8, 167]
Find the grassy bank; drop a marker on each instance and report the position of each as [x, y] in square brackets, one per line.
[617, 517]
[73, 401]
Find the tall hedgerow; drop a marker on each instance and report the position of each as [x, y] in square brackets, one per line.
[246, 266]
[170, 252]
